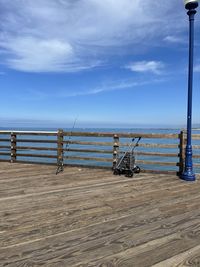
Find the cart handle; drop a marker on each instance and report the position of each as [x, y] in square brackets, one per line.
[139, 138]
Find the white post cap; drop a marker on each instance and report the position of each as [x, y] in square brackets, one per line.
[189, 1]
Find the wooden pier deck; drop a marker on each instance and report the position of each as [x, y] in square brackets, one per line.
[88, 217]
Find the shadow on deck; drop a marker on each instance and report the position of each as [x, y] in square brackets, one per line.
[86, 217]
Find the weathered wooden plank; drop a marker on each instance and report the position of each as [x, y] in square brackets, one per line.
[66, 164]
[87, 217]
[88, 143]
[196, 164]
[36, 155]
[159, 172]
[41, 133]
[36, 141]
[80, 247]
[86, 184]
[4, 160]
[36, 148]
[97, 151]
[122, 135]
[57, 205]
[147, 162]
[186, 258]
[196, 147]
[196, 156]
[88, 158]
[82, 185]
[196, 136]
[5, 147]
[96, 134]
[64, 222]
[156, 154]
[89, 134]
[156, 250]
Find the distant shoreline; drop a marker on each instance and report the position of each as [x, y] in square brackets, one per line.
[32, 128]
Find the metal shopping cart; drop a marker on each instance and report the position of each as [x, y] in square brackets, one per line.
[126, 164]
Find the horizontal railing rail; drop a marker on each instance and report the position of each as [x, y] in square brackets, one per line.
[155, 153]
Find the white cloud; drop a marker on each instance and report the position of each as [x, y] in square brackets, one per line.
[72, 35]
[174, 39]
[32, 54]
[155, 67]
[35, 94]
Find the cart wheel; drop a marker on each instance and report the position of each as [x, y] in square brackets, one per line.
[116, 172]
[129, 173]
[137, 169]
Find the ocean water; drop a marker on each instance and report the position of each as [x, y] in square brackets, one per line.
[100, 139]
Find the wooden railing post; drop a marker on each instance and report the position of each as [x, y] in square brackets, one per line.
[60, 146]
[60, 151]
[181, 151]
[115, 150]
[13, 150]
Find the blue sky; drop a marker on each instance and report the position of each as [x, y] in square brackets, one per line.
[111, 63]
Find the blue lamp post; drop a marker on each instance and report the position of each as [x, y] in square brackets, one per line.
[188, 174]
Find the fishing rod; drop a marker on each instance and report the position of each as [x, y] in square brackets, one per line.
[70, 136]
[60, 165]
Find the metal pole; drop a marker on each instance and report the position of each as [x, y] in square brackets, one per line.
[188, 174]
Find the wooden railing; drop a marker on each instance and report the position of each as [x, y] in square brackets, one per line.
[155, 152]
